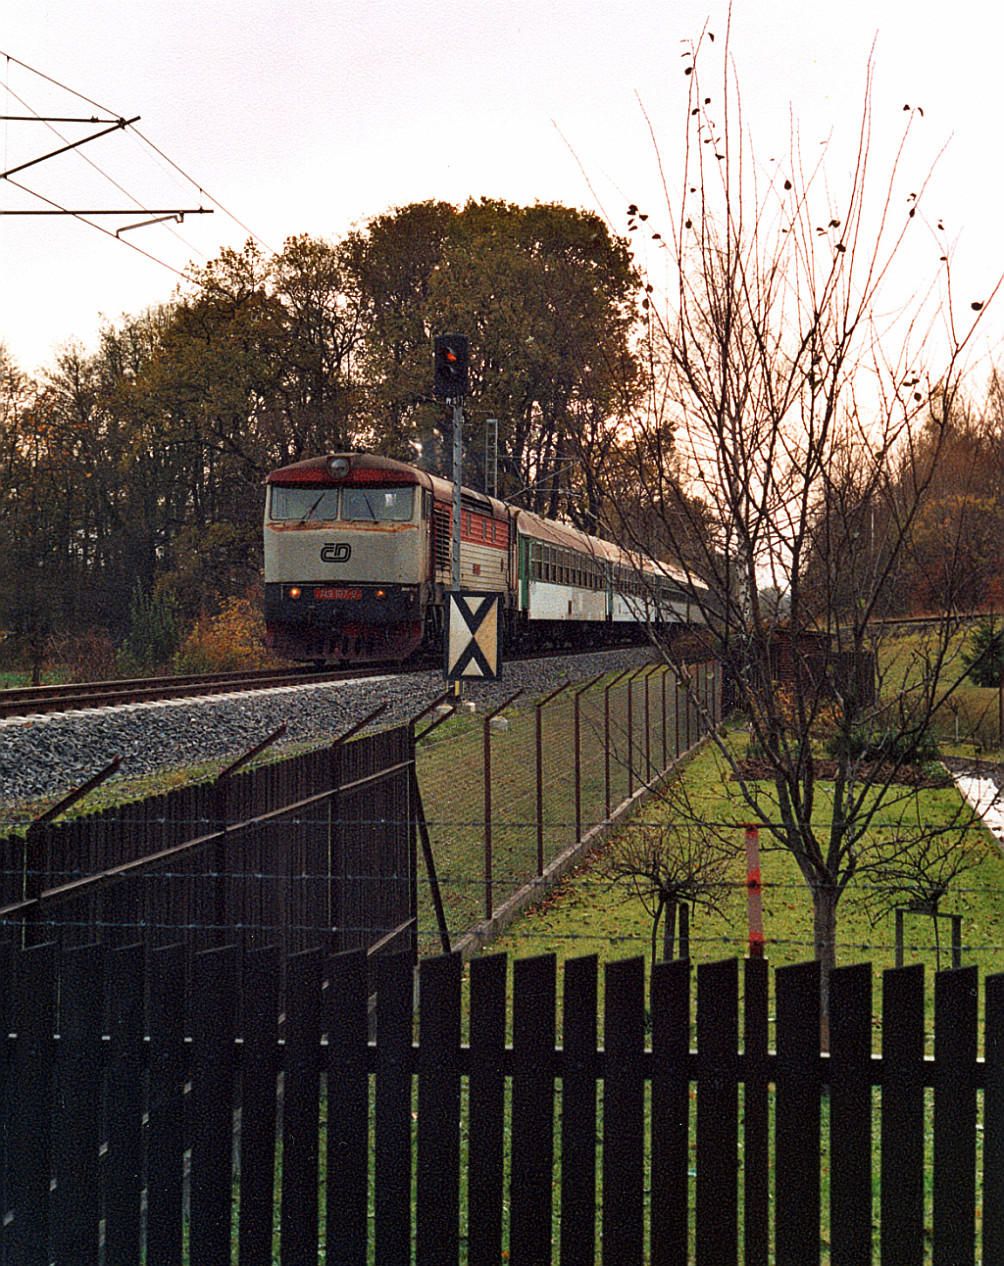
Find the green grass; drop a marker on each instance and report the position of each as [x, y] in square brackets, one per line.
[967, 724]
[451, 776]
[589, 914]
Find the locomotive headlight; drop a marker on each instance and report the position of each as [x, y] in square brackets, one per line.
[339, 467]
[294, 591]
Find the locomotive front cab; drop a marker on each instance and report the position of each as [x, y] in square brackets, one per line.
[345, 559]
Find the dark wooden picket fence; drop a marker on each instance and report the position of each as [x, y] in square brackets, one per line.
[160, 1128]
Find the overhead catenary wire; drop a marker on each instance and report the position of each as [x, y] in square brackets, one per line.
[146, 141]
[124, 125]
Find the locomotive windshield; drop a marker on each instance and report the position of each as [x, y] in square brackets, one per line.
[303, 504]
[377, 504]
[358, 505]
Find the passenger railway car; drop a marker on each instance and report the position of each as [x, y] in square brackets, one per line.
[358, 562]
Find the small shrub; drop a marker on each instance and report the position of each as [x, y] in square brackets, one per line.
[87, 656]
[883, 745]
[154, 632]
[226, 642]
[984, 656]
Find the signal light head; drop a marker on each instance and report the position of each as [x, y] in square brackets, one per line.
[450, 366]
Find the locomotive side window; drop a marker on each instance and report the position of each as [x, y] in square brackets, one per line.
[378, 505]
[303, 504]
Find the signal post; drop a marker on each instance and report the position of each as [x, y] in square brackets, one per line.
[473, 625]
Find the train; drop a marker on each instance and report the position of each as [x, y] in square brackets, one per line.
[358, 562]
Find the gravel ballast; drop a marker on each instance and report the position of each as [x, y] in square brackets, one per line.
[47, 756]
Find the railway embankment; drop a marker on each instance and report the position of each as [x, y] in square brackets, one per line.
[48, 755]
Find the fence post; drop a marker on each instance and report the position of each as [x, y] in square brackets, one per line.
[684, 931]
[540, 705]
[632, 677]
[606, 738]
[676, 711]
[336, 851]
[336, 833]
[956, 940]
[31, 884]
[648, 728]
[221, 799]
[489, 864]
[754, 891]
[418, 817]
[630, 734]
[578, 754]
[665, 753]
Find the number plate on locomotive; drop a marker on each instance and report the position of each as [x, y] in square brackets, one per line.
[350, 595]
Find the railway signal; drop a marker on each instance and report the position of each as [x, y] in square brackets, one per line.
[473, 642]
[450, 366]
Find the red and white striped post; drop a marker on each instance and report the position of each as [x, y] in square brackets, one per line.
[754, 892]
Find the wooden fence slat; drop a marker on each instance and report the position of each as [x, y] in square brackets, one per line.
[993, 1123]
[78, 1110]
[670, 991]
[393, 1108]
[53, 1112]
[438, 1212]
[623, 1222]
[756, 1115]
[578, 1113]
[6, 1071]
[955, 1007]
[165, 1132]
[211, 1024]
[347, 1235]
[850, 1115]
[717, 1212]
[30, 1154]
[796, 1132]
[123, 1170]
[258, 1105]
[486, 1109]
[300, 1112]
[532, 1146]
[901, 1212]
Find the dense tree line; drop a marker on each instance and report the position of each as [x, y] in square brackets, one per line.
[143, 463]
[138, 469]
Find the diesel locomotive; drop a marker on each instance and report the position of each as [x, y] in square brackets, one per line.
[358, 561]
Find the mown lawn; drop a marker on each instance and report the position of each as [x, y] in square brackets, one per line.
[967, 723]
[588, 914]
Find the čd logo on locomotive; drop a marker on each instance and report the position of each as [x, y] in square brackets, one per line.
[336, 553]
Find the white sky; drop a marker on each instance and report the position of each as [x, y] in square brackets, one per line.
[312, 115]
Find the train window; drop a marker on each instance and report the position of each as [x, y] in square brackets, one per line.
[379, 505]
[303, 504]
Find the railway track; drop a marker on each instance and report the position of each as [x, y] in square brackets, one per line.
[80, 696]
[20, 701]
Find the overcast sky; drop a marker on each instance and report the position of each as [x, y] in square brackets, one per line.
[308, 116]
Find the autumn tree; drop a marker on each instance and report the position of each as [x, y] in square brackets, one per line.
[786, 405]
[548, 299]
[36, 581]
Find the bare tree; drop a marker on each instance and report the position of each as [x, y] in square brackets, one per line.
[669, 867]
[781, 450]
